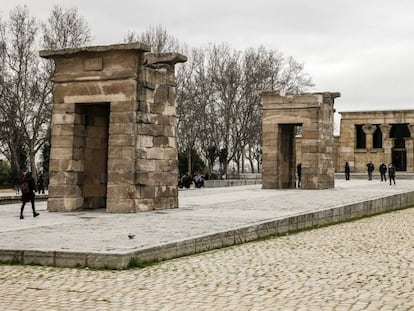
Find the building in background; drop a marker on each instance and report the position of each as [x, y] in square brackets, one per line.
[377, 136]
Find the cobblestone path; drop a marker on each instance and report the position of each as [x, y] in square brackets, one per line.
[362, 265]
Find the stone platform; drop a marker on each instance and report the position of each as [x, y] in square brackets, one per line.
[206, 219]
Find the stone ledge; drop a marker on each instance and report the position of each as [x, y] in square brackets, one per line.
[10, 199]
[139, 47]
[193, 245]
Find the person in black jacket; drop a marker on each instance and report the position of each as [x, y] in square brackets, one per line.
[28, 189]
[299, 173]
[347, 171]
[370, 169]
[383, 170]
[391, 173]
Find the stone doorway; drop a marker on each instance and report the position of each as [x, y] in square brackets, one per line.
[399, 159]
[287, 149]
[93, 144]
[113, 138]
[282, 116]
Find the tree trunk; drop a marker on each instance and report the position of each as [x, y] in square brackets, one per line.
[32, 158]
[251, 165]
[189, 162]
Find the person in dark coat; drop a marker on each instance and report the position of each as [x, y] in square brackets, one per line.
[391, 173]
[299, 173]
[187, 180]
[28, 189]
[370, 169]
[41, 184]
[347, 171]
[383, 171]
[17, 185]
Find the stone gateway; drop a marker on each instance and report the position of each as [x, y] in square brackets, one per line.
[113, 140]
[298, 129]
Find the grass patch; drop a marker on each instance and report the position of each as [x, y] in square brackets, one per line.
[135, 262]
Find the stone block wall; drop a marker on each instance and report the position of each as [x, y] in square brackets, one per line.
[113, 129]
[314, 113]
[359, 157]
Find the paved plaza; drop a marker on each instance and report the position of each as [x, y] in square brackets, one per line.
[360, 265]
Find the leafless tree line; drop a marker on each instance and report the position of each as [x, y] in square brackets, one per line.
[25, 83]
[218, 103]
[218, 106]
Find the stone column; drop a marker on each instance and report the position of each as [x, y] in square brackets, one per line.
[387, 143]
[369, 130]
[409, 145]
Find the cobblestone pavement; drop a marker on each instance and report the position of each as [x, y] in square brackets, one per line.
[362, 265]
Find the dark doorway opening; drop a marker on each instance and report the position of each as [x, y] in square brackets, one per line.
[399, 153]
[287, 155]
[93, 129]
[399, 159]
[360, 136]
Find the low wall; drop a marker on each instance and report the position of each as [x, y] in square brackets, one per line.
[11, 199]
[269, 228]
[276, 227]
[230, 182]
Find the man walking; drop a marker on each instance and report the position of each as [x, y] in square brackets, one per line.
[299, 172]
[391, 173]
[383, 171]
[370, 169]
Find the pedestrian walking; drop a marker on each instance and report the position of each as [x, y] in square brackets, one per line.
[28, 189]
[347, 171]
[370, 169]
[299, 172]
[383, 171]
[17, 185]
[41, 184]
[391, 173]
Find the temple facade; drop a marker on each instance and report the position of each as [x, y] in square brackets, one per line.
[377, 137]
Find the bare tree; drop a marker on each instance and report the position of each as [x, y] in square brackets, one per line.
[195, 108]
[234, 106]
[158, 38]
[25, 95]
[218, 106]
[65, 28]
[21, 81]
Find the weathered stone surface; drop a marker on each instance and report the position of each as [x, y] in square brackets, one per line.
[114, 129]
[383, 149]
[283, 149]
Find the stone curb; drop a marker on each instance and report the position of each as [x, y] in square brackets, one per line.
[216, 240]
[11, 199]
[276, 227]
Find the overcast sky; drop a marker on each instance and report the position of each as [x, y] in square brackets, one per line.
[363, 49]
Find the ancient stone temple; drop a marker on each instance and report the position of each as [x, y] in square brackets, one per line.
[377, 137]
[298, 128]
[113, 129]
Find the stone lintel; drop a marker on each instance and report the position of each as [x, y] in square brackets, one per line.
[138, 47]
[164, 58]
[274, 100]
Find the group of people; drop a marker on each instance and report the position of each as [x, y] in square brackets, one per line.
[40, 184]
[383, 172]
[187, 180]
[383, 168]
